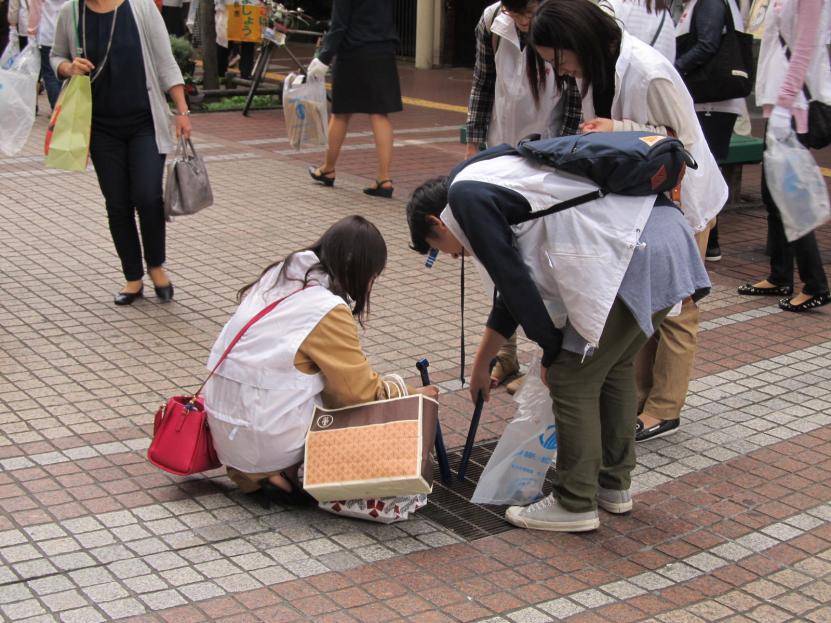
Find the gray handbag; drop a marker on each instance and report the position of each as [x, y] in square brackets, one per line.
[188, 188]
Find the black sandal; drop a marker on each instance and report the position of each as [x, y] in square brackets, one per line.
[817, 300]
[322, 177]
[269, 494]
[751, 290]
[379, 191]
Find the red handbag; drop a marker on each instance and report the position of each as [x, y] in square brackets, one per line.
[182, 442]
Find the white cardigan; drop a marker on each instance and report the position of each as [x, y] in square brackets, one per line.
[160, 68]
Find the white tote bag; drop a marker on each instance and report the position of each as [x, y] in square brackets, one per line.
[516, 471]
[796, 185]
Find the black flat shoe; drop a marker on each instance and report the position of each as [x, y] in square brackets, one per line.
[128, 298]
[379, 190]
[665, 428]
[814, 301]
[164, 293]
[269, 494]
[323, 176]
[751, 290]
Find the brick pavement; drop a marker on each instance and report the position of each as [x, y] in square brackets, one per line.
[732, 520]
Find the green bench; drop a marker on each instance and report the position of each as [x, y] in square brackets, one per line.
[743, 150]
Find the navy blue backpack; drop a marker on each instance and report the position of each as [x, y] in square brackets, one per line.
[625, 163]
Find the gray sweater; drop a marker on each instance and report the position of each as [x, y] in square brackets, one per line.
[160, 68]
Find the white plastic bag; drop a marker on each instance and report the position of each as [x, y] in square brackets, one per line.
[11, 51]
[305, 111]
[18, 97]
[796, 185]
[516, 471]
[383, 510]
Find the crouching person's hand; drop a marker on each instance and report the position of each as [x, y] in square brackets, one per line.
[431, 391]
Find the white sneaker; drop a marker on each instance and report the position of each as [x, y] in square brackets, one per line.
[547, 514]
[613, 501]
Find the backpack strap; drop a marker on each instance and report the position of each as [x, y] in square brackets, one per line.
[660, 28]
[563, 205]
[494, 36]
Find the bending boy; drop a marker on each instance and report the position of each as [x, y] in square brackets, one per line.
[588, 285]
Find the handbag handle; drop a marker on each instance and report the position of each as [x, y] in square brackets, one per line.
[395, 380]
[263, 312]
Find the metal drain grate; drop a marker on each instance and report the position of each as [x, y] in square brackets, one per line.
[450, 505]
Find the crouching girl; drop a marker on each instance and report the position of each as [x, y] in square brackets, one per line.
[589, 285]
[303, 353]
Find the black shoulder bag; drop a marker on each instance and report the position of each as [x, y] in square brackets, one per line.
[728, 74]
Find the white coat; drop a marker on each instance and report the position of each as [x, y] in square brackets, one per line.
[646, 26]
[703, 190]
[773, 64]
[259, 404]
[514, 114]
[577, 258]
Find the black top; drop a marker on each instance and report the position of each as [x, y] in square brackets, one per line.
[359, 25]
[119, 88]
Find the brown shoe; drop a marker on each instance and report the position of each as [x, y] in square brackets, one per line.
[514, 386]
[504, 370]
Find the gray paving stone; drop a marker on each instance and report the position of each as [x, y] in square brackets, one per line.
[163, 599]
[129, 568]
[145, 583]
[65, 600]
[22, 609]
[99, 593]
[14, 592]
[561, 608]
[238, 583]
[273, 575]
[529, 615]
[19, 553]
[34, 568]
[82, 615]
[217, 568]
[201, 591]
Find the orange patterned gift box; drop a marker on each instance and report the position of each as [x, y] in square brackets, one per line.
[377, 449]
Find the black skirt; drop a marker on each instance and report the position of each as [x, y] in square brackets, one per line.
[366, 81]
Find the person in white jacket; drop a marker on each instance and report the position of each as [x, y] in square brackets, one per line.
[304, 352]
[649, 21]
[793, 58]
[45, 39]
[630, 86]
[500, 110]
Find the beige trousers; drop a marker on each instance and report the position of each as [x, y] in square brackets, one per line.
[664, 365]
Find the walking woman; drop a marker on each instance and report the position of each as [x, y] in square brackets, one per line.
[362, 41]
[304, 352]
[630, 86]
[793, 57]
[124, 47]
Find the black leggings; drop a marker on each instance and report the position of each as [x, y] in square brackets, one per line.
[130, 169]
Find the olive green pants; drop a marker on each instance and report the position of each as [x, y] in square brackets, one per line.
[595, 408]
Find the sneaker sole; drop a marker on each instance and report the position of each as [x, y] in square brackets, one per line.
[616, 508]
[584, 525]
[659, 435]
[713, 259]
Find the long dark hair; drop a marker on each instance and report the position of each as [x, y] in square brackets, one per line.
[352, 252]
[581, 27]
